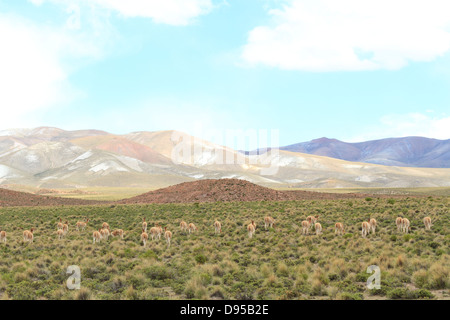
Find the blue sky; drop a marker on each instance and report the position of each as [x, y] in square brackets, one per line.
[351, 70]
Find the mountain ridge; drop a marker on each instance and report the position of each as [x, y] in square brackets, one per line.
[47, 157]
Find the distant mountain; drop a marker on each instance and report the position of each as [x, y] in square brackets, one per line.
[54, 158]
[403, 152]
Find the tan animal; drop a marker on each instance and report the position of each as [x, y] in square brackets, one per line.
[251, 228]
[312, 220]
[97, 236]
[427, 223]
[28, 235]
[144, 237]
[268, 222]
[105, 233]
[183, 226]
[117, 233]
[318, 228]
[105, 225]
[399, 222]
[405, 225]
[168, 236]
[217, 227]
[144, 225]
[3, 236]
[155, 232]
[65, 228]
[339, 228]
[60, 224]
[60, 234]
[305, 226]
[373, 224]
[365, 228]
[192, 227]
[82, 225]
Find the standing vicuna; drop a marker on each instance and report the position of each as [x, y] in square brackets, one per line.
[97, 236]
[82, 225]
[339, 228]
[144, 225]
[65, 228]
[318, 228]
[60, 234]
[105, 225]
[399, 223]
[269, 222]
[305, 226]
[427, 223]
[3, 236]
[60, 224]
[251, 228]
[144, 237]
[168, 236]
[217, 227]
[192, 227]
[183, 226]
[28, 235]
[373, 224]
[365, 228]
[405, 225]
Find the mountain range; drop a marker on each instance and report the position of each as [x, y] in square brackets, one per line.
[47, 157]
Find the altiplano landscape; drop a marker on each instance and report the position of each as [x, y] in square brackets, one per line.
[281, 261]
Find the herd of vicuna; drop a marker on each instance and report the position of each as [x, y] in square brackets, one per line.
[403, 225]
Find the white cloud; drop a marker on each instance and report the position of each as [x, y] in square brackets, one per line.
[330, 35]
[411, 124]
[35, 63]
[172, 12]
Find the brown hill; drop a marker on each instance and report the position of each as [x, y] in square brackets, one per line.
[10, 198]
[210, 190]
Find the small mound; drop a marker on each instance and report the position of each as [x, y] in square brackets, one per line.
[10, 198]
[226, 190]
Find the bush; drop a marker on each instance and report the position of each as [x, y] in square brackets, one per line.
[201, 259]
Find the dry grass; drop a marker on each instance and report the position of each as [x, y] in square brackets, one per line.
[275, 264]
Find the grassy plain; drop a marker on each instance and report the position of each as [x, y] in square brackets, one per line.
[278, 263]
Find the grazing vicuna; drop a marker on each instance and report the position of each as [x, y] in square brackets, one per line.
[183, 226]
[373, 224]
[269, 222]
[217, 227]
[117, 233]
[28, 235]
[65, 228]
[251, 228]
[318, 228]
[60, 234]
[339, 228]
[427, 223]
[155, 232]
[3, 236]
[405, 225]
[365, 228]
[192, 227]
[82, 225]
[144, 237]
[97, 236]
[399, 223]
[305, 226]
[312, 220]
[168, 236]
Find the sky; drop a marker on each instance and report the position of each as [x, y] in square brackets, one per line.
[353, 70]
